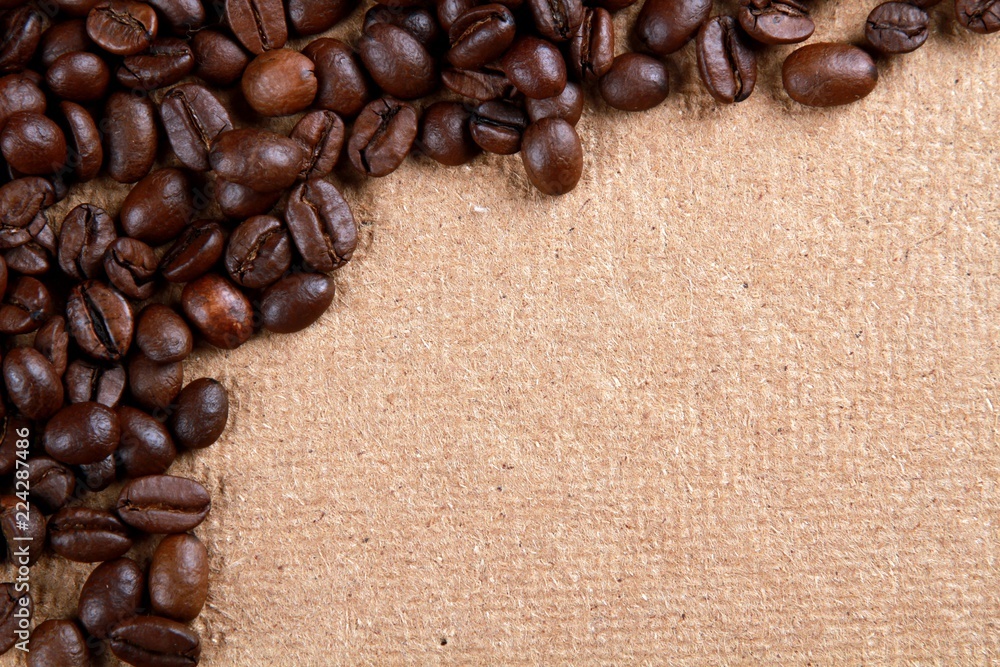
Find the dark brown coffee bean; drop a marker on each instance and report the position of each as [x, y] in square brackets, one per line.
[26, 306]
[19, 92]
[382, 136]
[32, 144]
[567, 105]
[178, 577]
[146, 447]
[321, 225]
[279, 82]
[51, 483]
[78, 76]
[159, 207]
[181, 16]
[21, 201]
[23, 527]
[154, 386]
[57, 642]
[664, 26]
[85, 152]
[153, 641]
[295, 302]
[53, 341]
[484, 85]
[448, 11]
[728, 66]
[166, 62]
[20, 33]
[218, 310]
[311, 17]
[63, 37]
[193, 118]
[163, 504]
[76, 8]
[87, 381]
[321, 135]
[97, 476]
[417, 21]
[131, 267]
[86, 535]
[897, 27]
[13, 430]
[258, 252]
[86, 233]
[635, 82]
[130, 136]
[776, 21]
[982, 16]
[203, 409]
[32, 383]
[497, 127]
[16, 611]
[552, 156]
[824, 75]
[557, 20]
[218, 58]
[535, 67]
[81, 433]
[34, 257]
[259, 25]
[258, 159]
[445, 135]
[397, 61]
[162, 334]
[480, 36]
[196, 251]
[100, 320]
[122, 27]
[344, 87]
[592, 49]
[238, 202]
[112, 594]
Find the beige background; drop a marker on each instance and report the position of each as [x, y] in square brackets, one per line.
[733, 400]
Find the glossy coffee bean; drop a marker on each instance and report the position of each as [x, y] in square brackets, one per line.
[567, 105]
[497, 127]
[86, 535]
[122, 27]
[258, 159]
[23, 530]
[158, 207]
[163, 504]
[57, 642]
[131, 267]
[259, 25]
[26, 306]
[112, 594]
[16, 611]
[824, 75]
[153, 641]
[85, 152]
[180, 16]
[194, 253]
[635, 82]
[321, 224]
[897, 27]
[397, 61]
[483, 85]
[32, 383]
[88, 381]
[480, 36]
[78, 76]
[81, 433]
[279, 82]
[97, 476]
[86, 233]
[776, 21]
[21, 201]
[165, 63]
[982, 16]
[445, 135]
[664, 26]
[162, 334]
[146, 447]
[592, 49]
[557, 20]
[552, 156]
[382, 136]
[33, 144]
[218, 310]
[51, 483]
[238, 202]
[130, 136]
[727, 64]
[193, 118]
[63, 37]
[535, 67]
[100, 320]
[203, 409]
[259, 252]
[418, 21]
[52, 340]
[19, 92]
[22, 31]
[448, 11]
[31, 259]
[343, 86]
[154, 386]
[311, 17]
[295, 302]
[178, 577]
[218, 59]
[321, 136]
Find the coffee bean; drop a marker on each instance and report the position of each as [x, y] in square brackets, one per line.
[78, 76]
[194, 253]
[480, 36]
[776, 21]
[53, 342]
[100, 320]
[295, 302]
[75, 8]
[163, 504]
[153, 641]
[279, 82]
[22, 31]
[12, 429]
[178, 577]
[484, 85]
[397, 61]
[32, 383]
[162, 334]
[193, 118]
[497, 127]
[592, 49]
[321, 136]
[63, 37]
[146, 447]
[258, 159]
[824, 75]
[16, 611]
[158, 207]
[21, 201]
[122, 27]
[203, 405]
[615, 5]
[218, 310]
[131, 266]
[18, 92]
[112, 594]
[567, 105]
[445, 135]
[130, 137]
[81, 433]
[321, 224]
[26, 306]
[32, 258]
[51, 483]
[728, 66]
[181, 16]
[166, 62]
[664, 26]
[259, 25]
[382, 136]
[343, 86]
[86, 155]
[154, 386]
[258, 252]
[535, 67]
[218, 58]
[87, 381]
[417, 21]
[635, 82]
[57, 642]
[552, 156]
[311, 17]
[32, 144]
[86, 535]
[557, 20]
[238, 202]
[86, 233]
[897, 27]
[97, 476]
[982, 16]
[448, 11]
[23, 527]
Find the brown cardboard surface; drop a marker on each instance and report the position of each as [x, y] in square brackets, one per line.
[733, 400]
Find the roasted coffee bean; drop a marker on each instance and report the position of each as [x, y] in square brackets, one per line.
[321, 135]
[321, 225]
[218, 310]
[166, 62]
[131, 266]
[448, 11]
[727, 64]
[218, 58]
[824, 75]
[484, 85]
[12, 430]
[664, 26]
[130, 136]
[567, 105]
[311, 17]
[417, 21]
[53, 341]
[552, 156]
[63, 37]
[258, 252]
[86, 233]
[776, 21]
[259, 25]
[23, 527]
[85, 152]
[57, 642]
[279, 82]
[32, 383]
[97, 476]
[897, 27]
[535, 67]
[397, 61]
[16, 610]
[86, 535]
[26, 306]
[31, 259]
[21, 201]
[154, 386]
[178, 577]
[344, 87]
[193, 117]
[163, 504]
[181, 16]
[21, 31]
[100, 320]
[592, 49]
[497, 127]
[19, 92]
[81, 433]
[122, 27]
[295, 302]
[51, 483]
[76, 8]
[203, 405]
[258, 159]
[238, 202]
[982, 16]
[382, 136]
[196, 251]
[146, 447]
[78, 76]
[162, 334]
[480, 36]
[445, 135]
[152, 641]
[557, 20]
[635, 82]
[112, 594]
[158, 207]
[32, 144]
[87, 381]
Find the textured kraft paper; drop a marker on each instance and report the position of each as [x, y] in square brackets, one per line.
[731, 401]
